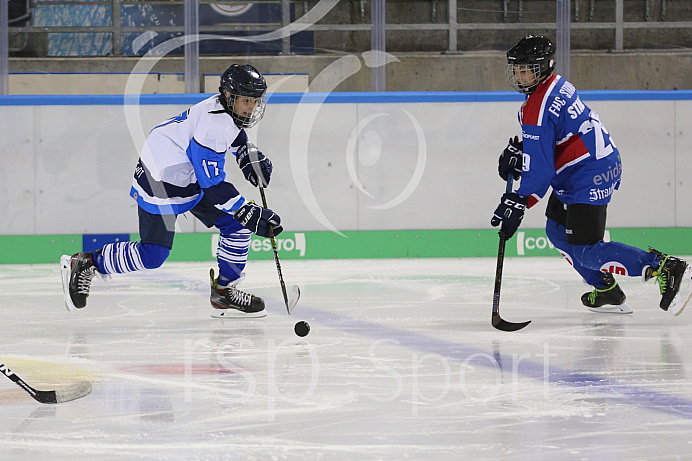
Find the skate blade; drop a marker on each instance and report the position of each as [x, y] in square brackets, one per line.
[683, 297]
[236, 314]
[623, 308]
[65, 273]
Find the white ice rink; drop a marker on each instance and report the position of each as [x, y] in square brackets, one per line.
[401, 363]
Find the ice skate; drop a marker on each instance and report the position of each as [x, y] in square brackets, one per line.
[230, 302]
[77, 273]
[674, 277]
[610, 299]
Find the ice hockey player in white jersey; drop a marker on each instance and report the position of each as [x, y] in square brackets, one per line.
[182, 168]
[565, 147]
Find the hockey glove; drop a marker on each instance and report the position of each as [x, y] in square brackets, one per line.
[509, 213]
[254, 164]
[258, 220]
[510, 161]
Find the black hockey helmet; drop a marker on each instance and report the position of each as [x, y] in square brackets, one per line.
[243, 81]
[532, 54]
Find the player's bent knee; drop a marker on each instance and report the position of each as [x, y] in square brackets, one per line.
[587, 252]
[153, 255]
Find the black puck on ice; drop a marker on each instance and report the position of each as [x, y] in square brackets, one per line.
[302, 328]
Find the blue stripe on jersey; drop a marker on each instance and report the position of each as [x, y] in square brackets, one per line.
[177, 119]
[162, 189]
[146, 204]
[225, 196]
[208, 164]
[160, 197]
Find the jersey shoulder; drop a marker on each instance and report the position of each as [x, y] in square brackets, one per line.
[548, 101]
[214, 129]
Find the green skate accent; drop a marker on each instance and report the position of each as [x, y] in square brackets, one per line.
[661, 277]
[446, 243]
[594, 293]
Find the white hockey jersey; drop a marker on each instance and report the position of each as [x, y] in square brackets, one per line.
[184, 157]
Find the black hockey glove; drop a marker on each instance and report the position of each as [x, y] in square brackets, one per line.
[257, 219]
[511, 159]
[509, 213]
[254, 164]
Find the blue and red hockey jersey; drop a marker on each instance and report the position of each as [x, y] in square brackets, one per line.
[566, 147]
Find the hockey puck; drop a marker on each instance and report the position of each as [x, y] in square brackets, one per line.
[302, 328]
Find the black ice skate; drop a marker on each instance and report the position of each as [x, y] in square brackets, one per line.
[230, 302]
[77, 273]
[674, 277]
[610, 299]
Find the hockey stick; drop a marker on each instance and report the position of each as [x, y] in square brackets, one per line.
[71, 392]
[497, 321]
[295, 290]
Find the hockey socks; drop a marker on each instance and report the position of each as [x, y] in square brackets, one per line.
[123, 257]
[232, 255]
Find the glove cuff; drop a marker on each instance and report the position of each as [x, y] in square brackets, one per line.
[241, 203]
[517, 198]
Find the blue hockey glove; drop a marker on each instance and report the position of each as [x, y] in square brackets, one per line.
[257, 219]
[511, 159]
[254, 164]
[509, 213]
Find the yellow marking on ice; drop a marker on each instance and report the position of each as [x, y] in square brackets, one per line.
[41, 374]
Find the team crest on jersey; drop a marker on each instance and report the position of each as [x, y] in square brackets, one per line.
[614, 267]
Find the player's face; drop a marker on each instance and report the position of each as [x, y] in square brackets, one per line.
[525, 75]
[245, 110]
[244, 105]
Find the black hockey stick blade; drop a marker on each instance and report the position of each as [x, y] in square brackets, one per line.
[501, 324]
[72, 392]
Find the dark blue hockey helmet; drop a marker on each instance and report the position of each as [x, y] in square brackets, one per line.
[530, 61]
[242, 92]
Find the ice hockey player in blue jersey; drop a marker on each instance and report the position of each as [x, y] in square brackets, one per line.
[182, 168]
[565, 147]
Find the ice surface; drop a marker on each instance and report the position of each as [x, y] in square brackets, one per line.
[401, 363]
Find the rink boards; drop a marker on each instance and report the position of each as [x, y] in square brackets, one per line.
[355, 174]
[38, 249]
